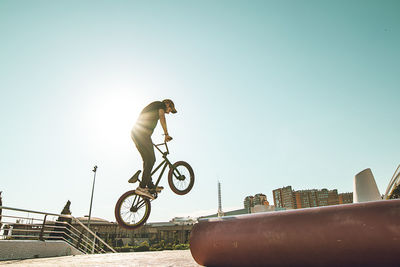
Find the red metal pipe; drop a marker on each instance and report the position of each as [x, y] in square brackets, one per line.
[362, 234]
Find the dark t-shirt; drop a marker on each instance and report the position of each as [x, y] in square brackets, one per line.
[149, 116]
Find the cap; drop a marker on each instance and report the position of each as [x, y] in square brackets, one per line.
[171, 104]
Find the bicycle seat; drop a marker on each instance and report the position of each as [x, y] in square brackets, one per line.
[135, 177]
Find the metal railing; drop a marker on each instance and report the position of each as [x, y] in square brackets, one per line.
[45, 226]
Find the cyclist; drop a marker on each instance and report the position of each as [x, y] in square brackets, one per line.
[141, 136]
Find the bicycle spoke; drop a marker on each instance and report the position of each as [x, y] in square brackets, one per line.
[180, 179]
[129, 217]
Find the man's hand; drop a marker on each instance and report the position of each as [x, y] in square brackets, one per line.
[161, 113]
[167, 138]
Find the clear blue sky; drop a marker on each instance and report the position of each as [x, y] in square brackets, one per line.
[269, 94]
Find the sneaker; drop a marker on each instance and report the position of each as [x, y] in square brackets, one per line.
[156, 189]
[144, 192]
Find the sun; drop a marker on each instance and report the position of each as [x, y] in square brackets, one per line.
[110, 116]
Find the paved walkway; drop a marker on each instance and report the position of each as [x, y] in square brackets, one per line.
[166, 258]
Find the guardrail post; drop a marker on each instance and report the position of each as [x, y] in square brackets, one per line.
[79, 240]
[94, 244]
[42, 230]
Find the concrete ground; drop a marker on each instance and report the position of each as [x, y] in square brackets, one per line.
[173, 258]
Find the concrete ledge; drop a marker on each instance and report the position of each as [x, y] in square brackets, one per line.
[28, 249]
[358, 234]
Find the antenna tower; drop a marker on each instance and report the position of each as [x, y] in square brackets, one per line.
[220, 212]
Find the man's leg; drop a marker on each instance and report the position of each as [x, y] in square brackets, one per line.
[146, 150]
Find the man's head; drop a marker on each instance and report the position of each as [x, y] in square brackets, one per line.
[169, 106]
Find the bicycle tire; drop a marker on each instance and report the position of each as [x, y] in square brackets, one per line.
[123, 203]
[175, 178]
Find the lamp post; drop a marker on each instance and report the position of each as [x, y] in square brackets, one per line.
[91, 200]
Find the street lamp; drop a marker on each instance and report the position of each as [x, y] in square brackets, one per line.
[91, 200]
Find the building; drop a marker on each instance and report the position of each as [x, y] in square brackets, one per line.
[263, 208]
[290, 199]
[175, 231]
[227, 213]
[248, 203]
[345, 198]
[184, 220]
[322, 197]
[260, 199]
[333, 197]
[284, 198]
[305, 199]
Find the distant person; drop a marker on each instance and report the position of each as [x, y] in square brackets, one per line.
[141, 136]
[1, 204]
[63, 224]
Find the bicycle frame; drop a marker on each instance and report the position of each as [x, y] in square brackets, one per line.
[163, 164]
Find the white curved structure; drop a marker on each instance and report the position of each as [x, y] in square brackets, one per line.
[393, 184]
[365, 188]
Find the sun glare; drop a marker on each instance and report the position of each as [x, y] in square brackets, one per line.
[110, 116]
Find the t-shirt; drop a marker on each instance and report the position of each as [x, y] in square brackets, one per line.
[149, 117]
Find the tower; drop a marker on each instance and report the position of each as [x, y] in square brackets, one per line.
[220, 212]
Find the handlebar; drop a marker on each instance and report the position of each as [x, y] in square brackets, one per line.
[166, 146]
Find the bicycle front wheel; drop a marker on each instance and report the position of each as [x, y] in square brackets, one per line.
[181, 178]
[132, 210]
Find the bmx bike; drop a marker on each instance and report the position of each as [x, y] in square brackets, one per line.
[133, 210]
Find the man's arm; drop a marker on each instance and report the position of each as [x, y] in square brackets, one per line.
[163, 122]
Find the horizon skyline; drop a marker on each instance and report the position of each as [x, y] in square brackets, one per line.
[205, 213]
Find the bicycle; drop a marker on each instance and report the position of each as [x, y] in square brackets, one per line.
[133, 210]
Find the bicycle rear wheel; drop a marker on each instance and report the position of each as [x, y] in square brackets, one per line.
[181, 178]
[132, 210]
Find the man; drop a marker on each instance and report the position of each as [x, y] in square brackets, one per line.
[141, 136]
